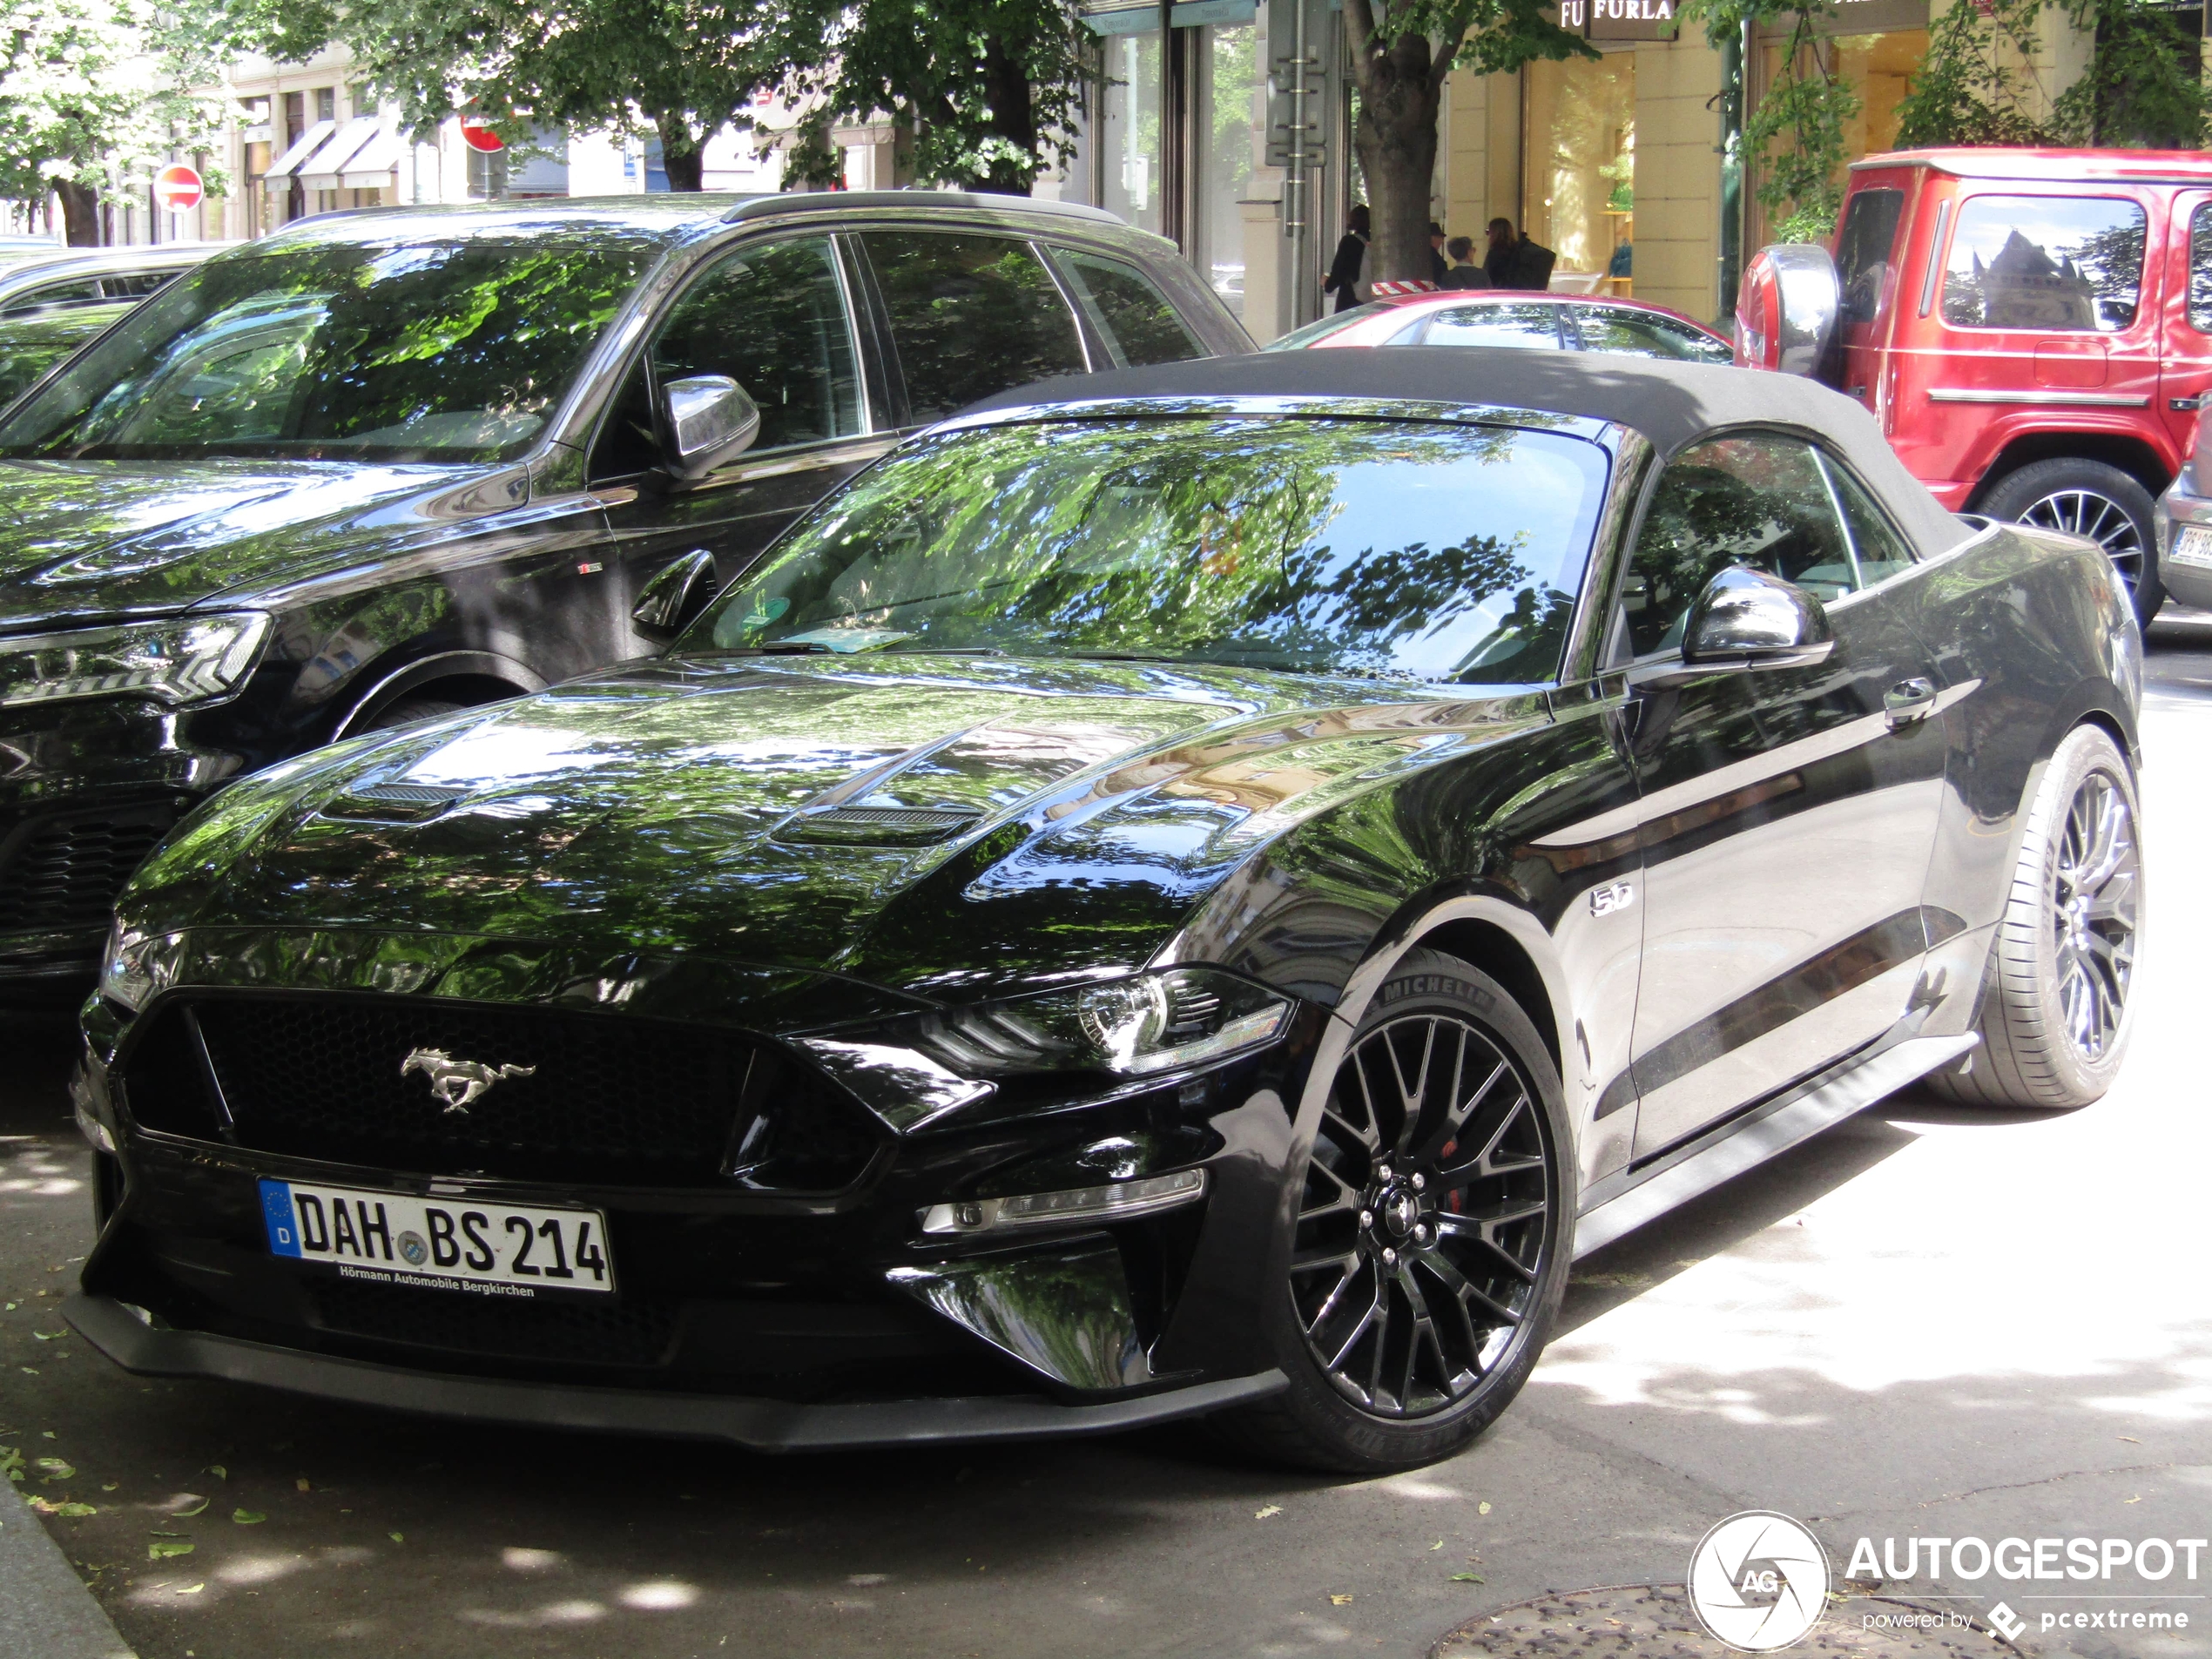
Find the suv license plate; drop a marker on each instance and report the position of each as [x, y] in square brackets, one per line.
[396, 1238]
[2193, 545]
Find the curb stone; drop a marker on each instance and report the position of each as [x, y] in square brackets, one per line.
[42, 1599]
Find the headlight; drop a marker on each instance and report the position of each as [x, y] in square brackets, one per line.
[914, 1070]
[137, 965]
[179, 659]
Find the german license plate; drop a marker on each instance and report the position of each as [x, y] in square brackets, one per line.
[396, 1239]
[2193, 545]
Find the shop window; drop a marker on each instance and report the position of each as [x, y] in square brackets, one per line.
[2054, 263]
[1229, 97]
[1129, 128]
[1580, 146]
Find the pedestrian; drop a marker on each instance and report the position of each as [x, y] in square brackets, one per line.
[1436, 264]
[1514, 261]
[1344, 270]
[1463, 273]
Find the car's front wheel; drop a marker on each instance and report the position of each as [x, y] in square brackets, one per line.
[2055, 1006]
[1433, 1230]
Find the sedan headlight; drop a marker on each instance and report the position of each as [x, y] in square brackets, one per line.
[175, 660]
[137, 965]
[914, 1070]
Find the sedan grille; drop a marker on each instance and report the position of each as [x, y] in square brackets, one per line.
[592, 1098]
[65, 873]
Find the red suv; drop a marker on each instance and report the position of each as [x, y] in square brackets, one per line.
[2032, 328]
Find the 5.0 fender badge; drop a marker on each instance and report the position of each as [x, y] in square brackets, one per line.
[458, 1082]
[1614, 895]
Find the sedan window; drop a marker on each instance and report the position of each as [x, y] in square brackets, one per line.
[1755, 500]
[1389, 549]
[1139, 325]
[1535, 326]
[970, 315]
[1647, 333]
[54, 296]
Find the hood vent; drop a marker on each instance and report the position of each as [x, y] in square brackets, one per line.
[878, 826]
[392, 802]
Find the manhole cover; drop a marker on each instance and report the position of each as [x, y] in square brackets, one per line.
[1653, 1622]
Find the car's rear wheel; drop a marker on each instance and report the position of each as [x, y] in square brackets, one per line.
[2089, 498]
[1433, 1235]
[2056, 1003]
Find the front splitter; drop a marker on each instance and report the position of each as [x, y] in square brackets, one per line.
[761, 1425]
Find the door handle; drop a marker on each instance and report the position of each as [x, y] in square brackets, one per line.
[2186, 405]
[1908, 702]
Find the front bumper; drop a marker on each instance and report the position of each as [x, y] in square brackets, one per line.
[761, 1425]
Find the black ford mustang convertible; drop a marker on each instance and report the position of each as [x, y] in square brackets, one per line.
[1197, 899]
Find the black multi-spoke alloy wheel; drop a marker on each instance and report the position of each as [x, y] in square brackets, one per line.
[2055, 1004]
[1433, 1223]
[2090, 498]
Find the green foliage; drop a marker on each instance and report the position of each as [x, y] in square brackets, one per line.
[1795, 135]
[2144, 87]
[1973, 87]
[990, 88]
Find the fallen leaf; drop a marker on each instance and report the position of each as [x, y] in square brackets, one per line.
[199, 1505]
[162, 1546]
[72, 1509]
[248, 1517]
[1338, 1601]
[1438, 1544]
[110, 1486]
[218, 1471]
[55, 1468]
[399, 1538]
[28, 1371]
[1482, 1509]
[50, 1335]
[1468, 1578]
[302, 1484]
[2138, 1498]
[190, 1589]
[2131, 1439]
[11, 1307]
[48, 1434]
[1272, 1509]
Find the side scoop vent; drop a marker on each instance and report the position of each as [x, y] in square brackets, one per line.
[878, 826]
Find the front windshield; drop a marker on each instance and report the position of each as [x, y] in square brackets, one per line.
[1401, 549]
[421, 351]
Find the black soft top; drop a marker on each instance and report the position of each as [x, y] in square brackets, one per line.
[1672, 404]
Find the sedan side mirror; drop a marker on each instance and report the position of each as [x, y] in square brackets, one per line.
[674, 596]
[706, 419]
[1746, 618]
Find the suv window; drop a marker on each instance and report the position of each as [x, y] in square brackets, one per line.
[773, 319]
[1530, 326]
[1755, 499]
[1140, 326]
[970, 315]
[1646, 334]
[57, 296]
[2201, 269]
[1864, 252]
[136, 286]
[2052, 263]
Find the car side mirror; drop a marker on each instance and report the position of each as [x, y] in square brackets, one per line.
[706, 420]
[674, 596]
[1746, 618]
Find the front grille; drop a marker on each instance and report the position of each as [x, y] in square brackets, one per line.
[65, 873]
[598, 1331]
[590, 1098]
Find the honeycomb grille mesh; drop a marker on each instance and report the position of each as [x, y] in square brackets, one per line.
[66, 873]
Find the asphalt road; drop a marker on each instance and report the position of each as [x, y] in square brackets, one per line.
[1925, 1322]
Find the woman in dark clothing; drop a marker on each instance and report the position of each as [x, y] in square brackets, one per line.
[1344, 270]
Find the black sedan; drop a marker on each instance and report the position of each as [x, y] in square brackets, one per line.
[387, 463]
[1197, 899]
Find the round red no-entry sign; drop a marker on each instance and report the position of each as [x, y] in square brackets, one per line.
[477, 136]
[177, 188]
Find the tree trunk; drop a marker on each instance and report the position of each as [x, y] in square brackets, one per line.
[80, 213]
[1013, 116]
[1399, 97]
[682, 156]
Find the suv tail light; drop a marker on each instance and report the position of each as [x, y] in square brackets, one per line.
[1786, 310]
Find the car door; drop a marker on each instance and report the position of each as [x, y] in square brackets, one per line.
[967, 313]
[775, 317]
[2185, 366]
[1789, 813]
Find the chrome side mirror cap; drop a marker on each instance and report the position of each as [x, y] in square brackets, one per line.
[706, 421]
[674, 596]
[1746, 618]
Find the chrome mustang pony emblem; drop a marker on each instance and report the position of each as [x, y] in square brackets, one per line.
[458, 1082]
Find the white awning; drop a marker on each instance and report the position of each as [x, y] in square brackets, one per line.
[284, 166]
[321, 170]
[373, 164]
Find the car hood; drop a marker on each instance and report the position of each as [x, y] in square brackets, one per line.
[101, 538]
[931, 826]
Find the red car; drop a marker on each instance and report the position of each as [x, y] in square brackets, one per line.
[2032, 328]
[1516, 317]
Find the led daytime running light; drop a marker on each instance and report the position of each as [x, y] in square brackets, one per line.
[1115, 1203]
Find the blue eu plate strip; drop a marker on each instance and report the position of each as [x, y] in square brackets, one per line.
[276, 1209]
